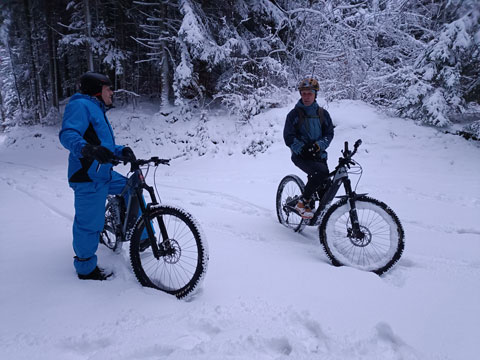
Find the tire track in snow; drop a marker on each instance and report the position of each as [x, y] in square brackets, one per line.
[14, 185]
[222, 196]
[24, 165]
[442, 228]
[432, 266]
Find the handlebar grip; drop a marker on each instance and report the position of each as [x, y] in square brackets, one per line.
[118, 159]
[357, 143]
[346, 147]
[115, 161]
[158, 161]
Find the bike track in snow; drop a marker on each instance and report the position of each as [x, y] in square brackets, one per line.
[228, 202]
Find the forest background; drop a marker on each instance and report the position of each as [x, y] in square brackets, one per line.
[417, 58]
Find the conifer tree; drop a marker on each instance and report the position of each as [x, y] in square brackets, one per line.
[440, 80]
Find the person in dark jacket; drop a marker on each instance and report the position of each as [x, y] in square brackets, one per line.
[88, 135]
[308, 132]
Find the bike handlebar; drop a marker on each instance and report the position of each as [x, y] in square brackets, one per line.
[348, 154]
[155, 160]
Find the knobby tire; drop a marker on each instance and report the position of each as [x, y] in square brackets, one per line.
[289, 187]
[382, 245]
[180, 273]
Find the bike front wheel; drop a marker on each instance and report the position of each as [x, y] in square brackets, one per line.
[181, 270]
[378, 246]
[289, 191]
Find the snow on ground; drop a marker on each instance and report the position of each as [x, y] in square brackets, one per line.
[269, 293]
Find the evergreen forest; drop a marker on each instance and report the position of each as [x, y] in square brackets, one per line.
[418, 58]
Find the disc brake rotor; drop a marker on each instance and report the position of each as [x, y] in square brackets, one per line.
[360, 241]
[173, 251]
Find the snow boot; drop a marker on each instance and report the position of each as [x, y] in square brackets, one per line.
[96, 274]
[303, 209]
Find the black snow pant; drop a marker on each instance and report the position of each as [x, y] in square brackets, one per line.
[317, 171]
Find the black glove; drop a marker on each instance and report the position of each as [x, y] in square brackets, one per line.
[128, 154]
[97, 152]
[311, 151]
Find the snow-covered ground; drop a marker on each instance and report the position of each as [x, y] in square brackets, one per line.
[269, 293]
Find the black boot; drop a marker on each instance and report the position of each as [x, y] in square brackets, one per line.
[96, 274]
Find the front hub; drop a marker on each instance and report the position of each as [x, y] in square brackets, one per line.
[361, 238]
[172, 251]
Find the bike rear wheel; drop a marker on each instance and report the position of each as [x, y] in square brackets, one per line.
[289, 190]
[380, 244]
[182, 270]
[111, 235]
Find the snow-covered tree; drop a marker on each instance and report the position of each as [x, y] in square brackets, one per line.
[243, 54]
[10, 101]
[91, 37]
[442, 76]
[222, 50]
[23, 35]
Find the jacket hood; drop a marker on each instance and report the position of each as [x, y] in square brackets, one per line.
[93, 99]
[313, 107]
[311, 110]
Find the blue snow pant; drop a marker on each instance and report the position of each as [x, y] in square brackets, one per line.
[89, 219]
[317, 171]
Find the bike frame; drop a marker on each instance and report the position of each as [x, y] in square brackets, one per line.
[135, 186]
[340, 176]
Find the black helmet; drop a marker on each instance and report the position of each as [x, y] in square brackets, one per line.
[91, 83]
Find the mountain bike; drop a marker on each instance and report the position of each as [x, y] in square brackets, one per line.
[357, 230]
[168, 250]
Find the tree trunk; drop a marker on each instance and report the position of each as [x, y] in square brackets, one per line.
[52, 54]
[35, 84]
[15, 80]
[165, 75]
[2, 112]
[88, 22]
[165, 94]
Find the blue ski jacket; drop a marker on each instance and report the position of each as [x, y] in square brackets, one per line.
[297, 135]
[84, 121]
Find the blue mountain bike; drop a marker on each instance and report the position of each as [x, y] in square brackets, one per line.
[168, 250]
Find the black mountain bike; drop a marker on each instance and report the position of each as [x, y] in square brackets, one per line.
[168, 251]
[357, 230]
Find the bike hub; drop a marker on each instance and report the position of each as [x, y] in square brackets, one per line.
[360, 238]
[172, 251]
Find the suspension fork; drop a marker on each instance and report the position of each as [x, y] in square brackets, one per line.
[351, 196]
[157, 251]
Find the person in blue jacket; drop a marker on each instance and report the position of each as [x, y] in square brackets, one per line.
[88, 135]
[308, 132]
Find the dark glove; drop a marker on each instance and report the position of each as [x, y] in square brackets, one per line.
[311, 151]
[128, 154]
[97, 152]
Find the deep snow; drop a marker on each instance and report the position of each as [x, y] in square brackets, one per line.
[269, 293]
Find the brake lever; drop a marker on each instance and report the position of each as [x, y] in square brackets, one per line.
[357, 143]
[157, 161]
